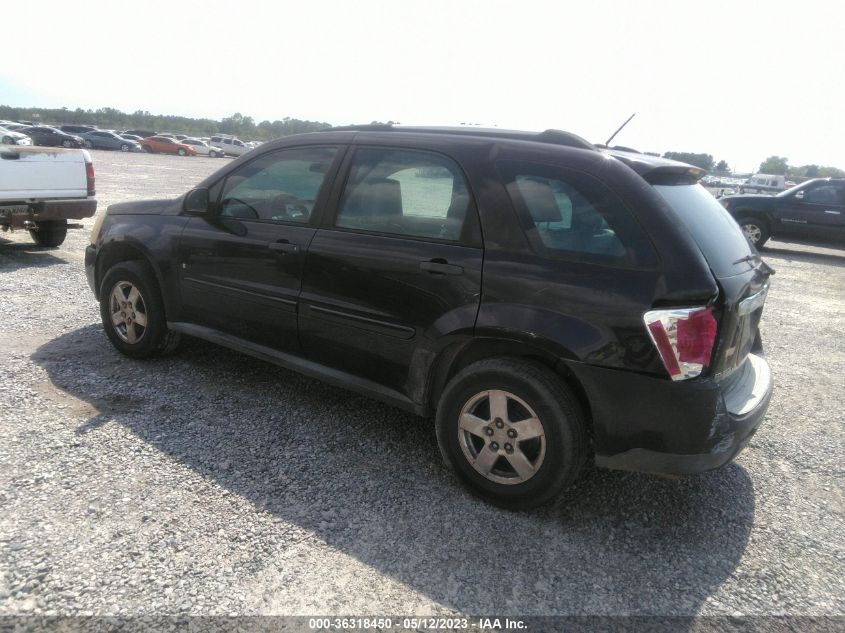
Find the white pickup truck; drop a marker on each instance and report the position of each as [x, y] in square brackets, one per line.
[41, 188]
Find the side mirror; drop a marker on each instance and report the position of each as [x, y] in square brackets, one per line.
[197, 202]
[799, 195]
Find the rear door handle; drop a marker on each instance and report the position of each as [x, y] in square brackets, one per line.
[832, 212]
[441, 267]
[283, 246]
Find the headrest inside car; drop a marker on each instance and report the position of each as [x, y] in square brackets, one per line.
[540, 200]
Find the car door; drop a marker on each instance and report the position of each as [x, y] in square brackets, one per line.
[395, 265]
[241, 268]
[817, 212]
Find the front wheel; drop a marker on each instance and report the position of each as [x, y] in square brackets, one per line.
[132, 311]
[67, 144]
[512, 432]
[755, 230]
[7, 140]
[125, 147]
[213, 154]
[50, 233]
[182, 152]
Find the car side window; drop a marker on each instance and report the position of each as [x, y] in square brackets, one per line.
[401, 192]
[824, 194]
[277, 187]
[571, 215]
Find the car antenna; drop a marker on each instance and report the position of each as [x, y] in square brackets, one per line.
[613, 136]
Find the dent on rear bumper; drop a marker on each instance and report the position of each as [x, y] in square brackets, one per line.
[656, 426]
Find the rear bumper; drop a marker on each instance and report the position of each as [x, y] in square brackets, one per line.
[14, 215]
[675, 428]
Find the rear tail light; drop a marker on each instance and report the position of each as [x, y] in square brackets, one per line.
[89, 173]
[684, 338]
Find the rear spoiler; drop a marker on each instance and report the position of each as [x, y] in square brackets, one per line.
[659, 171]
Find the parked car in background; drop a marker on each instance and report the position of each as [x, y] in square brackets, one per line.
[76, 129]
[813, 211]
[10, 137]
[99, 139]
[166, 145]
[133, 137]
[41, 189]
[202, 148]
[51, 137]
[545, 301]
[229, 145]
[761, 183]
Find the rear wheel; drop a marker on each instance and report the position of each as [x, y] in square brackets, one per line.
[147, 148]
[88, 145]
[67, 143]
[755, 230]
[133, 313]
[7, 140]
[512, 432]
[50, 233]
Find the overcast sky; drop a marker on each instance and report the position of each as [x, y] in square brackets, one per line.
[739, 80]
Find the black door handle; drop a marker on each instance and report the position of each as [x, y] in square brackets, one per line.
[441, 267]
[283, 246]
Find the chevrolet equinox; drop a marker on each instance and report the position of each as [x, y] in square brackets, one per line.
[547, 301]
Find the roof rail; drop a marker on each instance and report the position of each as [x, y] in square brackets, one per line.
[554, 137]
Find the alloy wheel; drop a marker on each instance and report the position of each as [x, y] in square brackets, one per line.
[501, 437]
[128, 312]
[752, 232]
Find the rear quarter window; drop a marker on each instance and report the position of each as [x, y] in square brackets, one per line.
[571, 215]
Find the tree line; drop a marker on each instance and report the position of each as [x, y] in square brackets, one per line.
[110, 118]
[774, 165]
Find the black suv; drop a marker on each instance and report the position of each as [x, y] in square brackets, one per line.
[813, 211]
[546, 300]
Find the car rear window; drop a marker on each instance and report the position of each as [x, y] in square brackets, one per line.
[714, 230]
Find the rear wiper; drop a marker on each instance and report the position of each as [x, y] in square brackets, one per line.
[747, 258]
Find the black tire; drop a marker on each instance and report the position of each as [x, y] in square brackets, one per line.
[67, 144]
[7, 140]
[125, 147]
[753, 227]
[561, 417]
[154, 339]
[147, 149]
[50, 233]
[181, 152]
[88, 145]
[213, 154]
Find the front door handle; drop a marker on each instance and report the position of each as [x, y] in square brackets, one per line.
[283, 246]
[441, 267]
[832, 212]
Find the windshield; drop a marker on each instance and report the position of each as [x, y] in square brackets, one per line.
[714, 230]
[792, 190]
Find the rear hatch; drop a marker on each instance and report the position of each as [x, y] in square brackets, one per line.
[41, 173]
[742, 275]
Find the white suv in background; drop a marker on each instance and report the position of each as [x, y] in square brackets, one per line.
[229, 144]
[201, 147]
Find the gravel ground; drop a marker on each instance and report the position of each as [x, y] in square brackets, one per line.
[212, 483]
